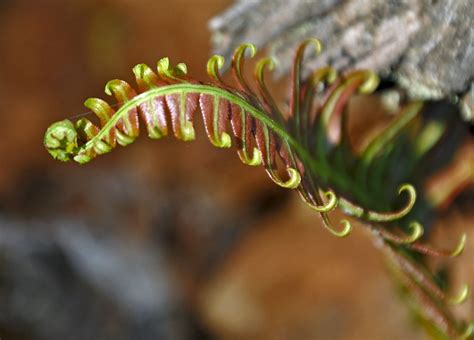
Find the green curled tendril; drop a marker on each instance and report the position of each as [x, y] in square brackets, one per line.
[292, 182]
[329, 206]
[295, 110]
[461, 297]
[214, 64]
[370, 81]
[346, 230]
[254, 161]
[238, 64]
[429, 250]
[460, 246]
[365, 82]
[416, 232]
[144, 74]
[61, 140]
[327, 74]
[263, 64]
[317, 204]
[267, 64]
[375, 216]
[224, 140]
[166, 71]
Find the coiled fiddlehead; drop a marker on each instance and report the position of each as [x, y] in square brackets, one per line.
[316, 163]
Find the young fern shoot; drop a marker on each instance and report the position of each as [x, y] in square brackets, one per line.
[317, 167]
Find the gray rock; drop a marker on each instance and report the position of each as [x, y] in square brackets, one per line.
[426, 46]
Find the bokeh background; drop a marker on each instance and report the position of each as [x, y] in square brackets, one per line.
[163, 240]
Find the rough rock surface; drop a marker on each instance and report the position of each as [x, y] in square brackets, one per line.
[426, 46]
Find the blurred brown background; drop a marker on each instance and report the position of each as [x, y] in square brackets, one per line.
[161, 240]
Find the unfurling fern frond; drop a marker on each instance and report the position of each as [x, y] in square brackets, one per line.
[322, 167]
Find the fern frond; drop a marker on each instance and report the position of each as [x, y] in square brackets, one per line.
[316, 165]
[311, 141]
[172, 96]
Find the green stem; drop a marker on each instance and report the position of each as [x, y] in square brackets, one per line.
[319, 169]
